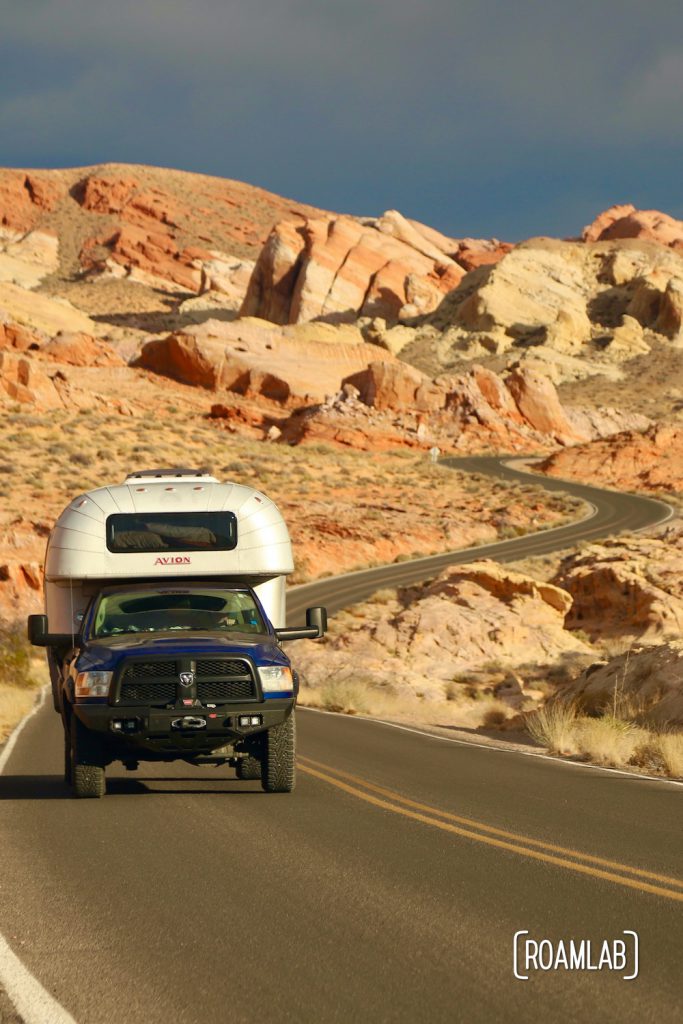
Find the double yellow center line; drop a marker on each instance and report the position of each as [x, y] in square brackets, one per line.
[468, 828]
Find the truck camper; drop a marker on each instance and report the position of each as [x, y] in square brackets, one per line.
[165, 615]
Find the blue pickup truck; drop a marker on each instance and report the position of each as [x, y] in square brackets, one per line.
[165, 618]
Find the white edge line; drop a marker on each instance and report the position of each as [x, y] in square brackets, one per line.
[33, 1003]
[492, 747]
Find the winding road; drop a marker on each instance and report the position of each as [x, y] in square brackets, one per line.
[388, 887]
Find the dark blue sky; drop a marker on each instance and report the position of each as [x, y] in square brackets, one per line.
[478, 117]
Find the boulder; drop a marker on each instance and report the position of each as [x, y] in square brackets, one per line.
[474, 615]
[304, 362]
[18, 337]
[626, 587]
[524, 293]
[79, 349]
[537, 401]
[648, 677]
[23, 380]
[339, 268]
[627, 339]
[273, 279]
[396, 386]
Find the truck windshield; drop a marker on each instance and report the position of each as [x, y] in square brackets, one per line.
[156, 611]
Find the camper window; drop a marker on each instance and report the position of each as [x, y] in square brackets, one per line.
[171, 531]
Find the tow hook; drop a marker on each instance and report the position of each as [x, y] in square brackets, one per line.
[188, 722]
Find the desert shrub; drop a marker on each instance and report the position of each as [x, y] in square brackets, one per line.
[346, 696]
[15, 658]
[384, 596]
[609, 740]
[670, 747]
[494, 714]
[554, 727]
[82, 459]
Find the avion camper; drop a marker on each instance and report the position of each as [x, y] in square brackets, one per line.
[165, 616]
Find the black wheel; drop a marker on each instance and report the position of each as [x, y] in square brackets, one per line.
[248, 768]
[278, 771]
[87, 762]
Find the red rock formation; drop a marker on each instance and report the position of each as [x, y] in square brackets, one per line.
[24, 197]
[78, 349]
[537, 401]
[25, 381]
[149, 255]
[18, 337]
[340, 268]
[396, 405]
[396, 386]
[476, 252]
[651, 461]
[628, 222]
[627, 587]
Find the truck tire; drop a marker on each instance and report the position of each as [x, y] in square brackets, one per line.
[248, 768]
[87, 767]
[278, 770]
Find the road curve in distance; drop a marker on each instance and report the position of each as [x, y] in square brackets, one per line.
[615, 512]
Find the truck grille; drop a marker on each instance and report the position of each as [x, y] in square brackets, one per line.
[157, 684]
[225, 689]
[224, 679]
[151, 691]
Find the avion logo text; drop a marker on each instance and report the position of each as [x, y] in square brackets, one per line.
[173, 560]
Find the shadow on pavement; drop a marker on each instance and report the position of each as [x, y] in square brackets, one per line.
[33, 787]
[53, 787]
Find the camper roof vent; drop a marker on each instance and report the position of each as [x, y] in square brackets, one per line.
[180, 473]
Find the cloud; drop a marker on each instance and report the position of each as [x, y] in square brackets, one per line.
[341, 102]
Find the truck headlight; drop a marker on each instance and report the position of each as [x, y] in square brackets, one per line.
[276, 679]
[93, 684]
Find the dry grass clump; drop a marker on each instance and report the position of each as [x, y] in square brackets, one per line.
[14, 704]
[614, 740]
[670, 748]
[608, 740]
[16, 665]
[554, 727]
[20, 675]
[345, 696]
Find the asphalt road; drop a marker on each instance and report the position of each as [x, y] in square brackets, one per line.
[614, 513]
[387, 887]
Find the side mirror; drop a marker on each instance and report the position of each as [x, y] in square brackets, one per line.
[37, 630]
[316, 625]
[316, 618]
[38, 634]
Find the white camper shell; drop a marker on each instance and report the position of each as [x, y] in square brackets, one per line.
[83, 554]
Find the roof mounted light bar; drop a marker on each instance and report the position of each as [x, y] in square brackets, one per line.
[174, 473]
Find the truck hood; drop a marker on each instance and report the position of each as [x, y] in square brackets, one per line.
[105, 654]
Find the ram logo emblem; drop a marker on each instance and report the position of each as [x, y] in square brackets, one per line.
[186, 678]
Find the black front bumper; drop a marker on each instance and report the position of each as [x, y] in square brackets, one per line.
[158, 732]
